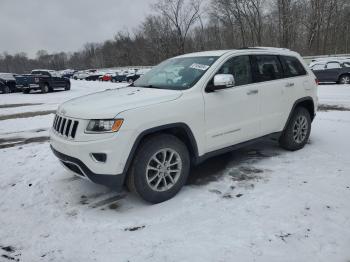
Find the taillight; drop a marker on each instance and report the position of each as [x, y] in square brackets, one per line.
[317, 81]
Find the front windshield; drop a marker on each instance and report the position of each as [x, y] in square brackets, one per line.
[176, 73]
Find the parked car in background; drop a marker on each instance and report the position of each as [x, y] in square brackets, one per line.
[106, 77]
[46, 81]
[93, 76]
[9, 82]
[131, 78]
[68, 73]
[81, 75]
[119, 76]
[332, 71]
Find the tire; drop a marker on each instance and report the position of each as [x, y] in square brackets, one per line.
[6, 90]
[148, 179]
[67, 86]
[344, 79]
[45, 89]
[130, 81]
[113, 80]
[26, 91]
[298, 129]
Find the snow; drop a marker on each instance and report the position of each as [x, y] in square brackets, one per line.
[259, 203]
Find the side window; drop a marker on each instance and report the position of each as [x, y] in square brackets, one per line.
[318, 67]
[239, 67]
[292, 66]
[333, 65]
[266, 68]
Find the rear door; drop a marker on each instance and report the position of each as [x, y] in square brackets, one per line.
[332, 71]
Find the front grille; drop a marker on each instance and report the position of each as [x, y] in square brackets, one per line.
[65, 126]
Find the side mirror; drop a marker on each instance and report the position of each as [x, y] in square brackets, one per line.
[222, 81]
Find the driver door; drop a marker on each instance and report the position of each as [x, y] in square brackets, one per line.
[231, 114]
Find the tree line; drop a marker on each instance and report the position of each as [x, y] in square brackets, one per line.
[310, 27]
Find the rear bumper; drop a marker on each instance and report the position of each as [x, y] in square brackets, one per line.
[75, 165]
[31, 86]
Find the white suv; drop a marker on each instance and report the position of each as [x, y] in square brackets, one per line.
[183, 111]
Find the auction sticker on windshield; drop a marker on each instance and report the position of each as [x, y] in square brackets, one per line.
[199, 66]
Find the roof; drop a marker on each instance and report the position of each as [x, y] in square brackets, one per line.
[245, 49]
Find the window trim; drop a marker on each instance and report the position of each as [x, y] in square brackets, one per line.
[215, 71]
[255, 67]
[282, 61]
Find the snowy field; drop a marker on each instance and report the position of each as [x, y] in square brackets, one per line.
[257, 204]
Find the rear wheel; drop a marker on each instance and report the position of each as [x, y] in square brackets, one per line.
[344, 79]
[45, 89]
[130, 81]
[6, 90]
[298, 129]
[160, 168]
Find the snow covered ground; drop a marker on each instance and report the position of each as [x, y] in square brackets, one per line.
[257, 204]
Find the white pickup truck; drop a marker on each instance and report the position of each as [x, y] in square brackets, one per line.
[184, 110]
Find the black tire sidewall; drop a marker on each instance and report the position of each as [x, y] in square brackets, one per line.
[43, 89]
[287, 140]
[7, 90]
[67, 86]
[341, 78]
[146, 151]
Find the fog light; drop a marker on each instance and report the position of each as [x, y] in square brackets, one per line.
[99, 157]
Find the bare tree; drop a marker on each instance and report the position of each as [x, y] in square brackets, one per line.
[182, 15]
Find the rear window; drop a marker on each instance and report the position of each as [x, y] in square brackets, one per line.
[292, 66]
[266, 68]
[6, 76]
[333, 65]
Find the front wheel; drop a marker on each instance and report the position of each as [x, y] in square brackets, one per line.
[160, 168]
[298, 129]
[130, 81]
[67, 87]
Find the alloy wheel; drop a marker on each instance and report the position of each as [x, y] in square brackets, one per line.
[163, 170]
[345, 80]
[300, 129]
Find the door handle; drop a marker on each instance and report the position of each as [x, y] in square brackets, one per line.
[252, 92]
[289, 84]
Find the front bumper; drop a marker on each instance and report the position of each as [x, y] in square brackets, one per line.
[75, 165]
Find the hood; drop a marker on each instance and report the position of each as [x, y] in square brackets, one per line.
[107, 104]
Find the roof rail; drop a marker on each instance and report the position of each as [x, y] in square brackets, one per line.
[270, 48]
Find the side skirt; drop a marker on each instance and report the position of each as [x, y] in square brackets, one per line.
[208, 155]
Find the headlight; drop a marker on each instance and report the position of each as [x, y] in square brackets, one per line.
[104, 125]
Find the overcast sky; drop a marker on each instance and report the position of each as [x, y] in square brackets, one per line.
[65, 25]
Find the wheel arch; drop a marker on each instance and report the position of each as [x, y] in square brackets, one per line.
[343, 74]
[307, 103]
[180, 130]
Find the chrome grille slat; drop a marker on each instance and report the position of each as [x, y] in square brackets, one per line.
[65, 126]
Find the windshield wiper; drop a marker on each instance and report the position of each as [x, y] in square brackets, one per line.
[152, 86]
